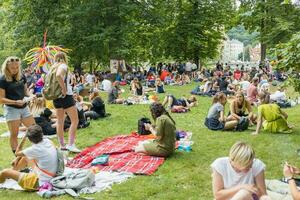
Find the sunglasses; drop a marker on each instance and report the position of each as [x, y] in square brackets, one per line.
[14, 60]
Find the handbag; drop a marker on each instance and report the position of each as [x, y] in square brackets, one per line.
[141, 126]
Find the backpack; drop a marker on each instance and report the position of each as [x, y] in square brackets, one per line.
[141, 126]
[52, 89]
[243, 124]
[60, 163]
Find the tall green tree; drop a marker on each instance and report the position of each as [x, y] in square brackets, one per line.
[275, 20]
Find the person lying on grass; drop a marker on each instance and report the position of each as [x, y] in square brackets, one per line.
[42, 156]
[239, 176]
[271, 117]
[238, 108]
[289, 173]
[215, 119]
[164, 144]
[174, 103]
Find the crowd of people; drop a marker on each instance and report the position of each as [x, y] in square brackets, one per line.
[239, 176]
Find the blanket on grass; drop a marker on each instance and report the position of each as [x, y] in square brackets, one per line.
[122, 158]
[103, 180]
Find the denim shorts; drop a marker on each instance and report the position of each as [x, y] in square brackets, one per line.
[11, 113]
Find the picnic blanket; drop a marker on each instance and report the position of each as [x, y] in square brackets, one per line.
[278, 190]
[103, 180]
[122, 157]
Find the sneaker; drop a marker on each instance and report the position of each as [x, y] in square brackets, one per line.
[73, 148]
[63, 148]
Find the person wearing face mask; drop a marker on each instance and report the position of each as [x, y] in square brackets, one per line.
[13, 89]
[239, 176]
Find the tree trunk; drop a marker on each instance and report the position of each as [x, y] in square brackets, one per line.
[263, 52]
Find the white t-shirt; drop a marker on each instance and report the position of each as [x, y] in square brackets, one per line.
[188, 66]
[245, 85]
[278, 96]
[194, 66]
[106, 85]
[232, 178]
[90, 78]
[44, 153]
[69, 87]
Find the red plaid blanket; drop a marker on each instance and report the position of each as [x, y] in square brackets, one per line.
[122, 157]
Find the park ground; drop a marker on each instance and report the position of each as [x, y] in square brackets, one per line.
[185, 175]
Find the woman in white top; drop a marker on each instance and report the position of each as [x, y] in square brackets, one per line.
[66, 104]
[239, 176]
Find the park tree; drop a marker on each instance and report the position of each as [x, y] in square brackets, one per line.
[288, 59]
[275, 20]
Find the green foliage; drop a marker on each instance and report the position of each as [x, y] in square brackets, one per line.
[274, 19]
[100, 30]
[239, 33]
[288, 58]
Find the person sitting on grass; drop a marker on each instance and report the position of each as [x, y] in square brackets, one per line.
[238, 109]
[271, 117]
[114, 94]
[239, 176]
[215, 119]
[159, 86]
[164, 144]
[289, 173]
[97, 109]
[42, 155]
[173, 103]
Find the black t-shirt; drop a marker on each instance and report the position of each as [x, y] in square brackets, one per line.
[223, 84]
[98, 106]
[14, 90]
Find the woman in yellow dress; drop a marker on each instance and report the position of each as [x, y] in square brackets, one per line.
[275, 119]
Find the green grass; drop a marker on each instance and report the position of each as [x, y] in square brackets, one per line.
[184, 175]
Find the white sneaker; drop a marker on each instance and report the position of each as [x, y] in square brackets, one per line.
[73, 148]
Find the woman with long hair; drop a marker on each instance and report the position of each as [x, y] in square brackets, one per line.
[13, 89]
[164, 144]
[239, 108]
[271, 117]
[65, 104]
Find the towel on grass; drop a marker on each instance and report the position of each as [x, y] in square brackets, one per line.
[122, 158]
[103, 180]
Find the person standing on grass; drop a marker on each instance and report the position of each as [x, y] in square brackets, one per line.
[66, 104]
[164, 144]
[216, 119]
[13, 89]
[45, 164]
[239, 176]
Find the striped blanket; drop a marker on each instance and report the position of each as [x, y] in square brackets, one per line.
[122, 158]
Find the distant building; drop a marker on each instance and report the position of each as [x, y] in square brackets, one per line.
[255, 53]
[231, 50]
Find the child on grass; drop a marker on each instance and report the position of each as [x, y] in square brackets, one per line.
[42, 156]
[216, 119]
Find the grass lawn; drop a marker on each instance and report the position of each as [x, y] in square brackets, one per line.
[184, 175]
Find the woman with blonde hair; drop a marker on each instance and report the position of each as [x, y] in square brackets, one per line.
[13, 90]
[271, 117]
[239, 176]
[65, 104]
[42, 116]
[239, 108]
